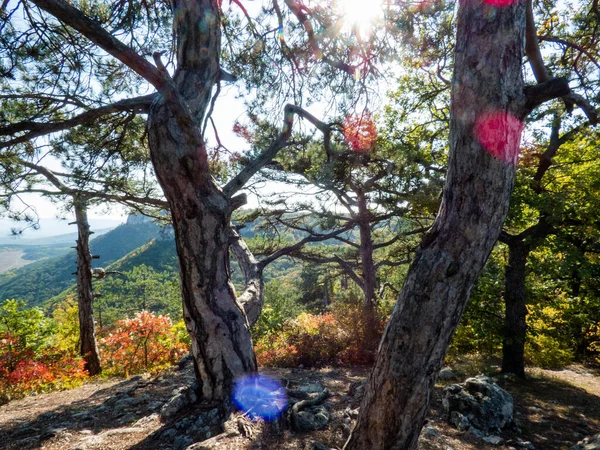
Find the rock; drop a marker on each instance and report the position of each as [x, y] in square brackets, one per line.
[486, 405]
[147, 420]
[525, 444]
[446, 374]
[130, 402]
[588, 443]
[475, 432]
[182, 442]
[430, 432]
[459, 421]
[494, 440]
[168, 433]
[310, 388]
[313, 418]
[181, 398]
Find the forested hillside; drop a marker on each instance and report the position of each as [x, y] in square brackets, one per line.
[39, 281]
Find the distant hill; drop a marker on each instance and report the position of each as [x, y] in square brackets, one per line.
[49, 228]
[46, 278]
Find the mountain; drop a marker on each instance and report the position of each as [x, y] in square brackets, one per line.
[46, 278]
[48, 228]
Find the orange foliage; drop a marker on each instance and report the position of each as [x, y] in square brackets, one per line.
[144, 343]
[334, 338]
[360, 132]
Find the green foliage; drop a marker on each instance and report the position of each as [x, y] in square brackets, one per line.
[29, 326]
[480, 328]
[140, 289]
[66, 318]
[281, 303]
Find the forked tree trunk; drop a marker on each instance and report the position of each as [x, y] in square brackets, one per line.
[515, 322]
[201, 213]
[88, 348]
[487, 80]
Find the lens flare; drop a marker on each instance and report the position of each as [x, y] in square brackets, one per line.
[500, 134]
[259, 396]
[499, 3]
[360, 132]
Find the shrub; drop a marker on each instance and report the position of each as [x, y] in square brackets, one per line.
[546, 346]
[146, 343]
[336, 337]
[24, 371]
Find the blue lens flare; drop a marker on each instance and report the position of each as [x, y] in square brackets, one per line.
[259, 396]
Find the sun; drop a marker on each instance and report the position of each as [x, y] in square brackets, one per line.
[360, 15]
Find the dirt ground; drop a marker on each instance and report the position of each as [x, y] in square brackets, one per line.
[553, 410]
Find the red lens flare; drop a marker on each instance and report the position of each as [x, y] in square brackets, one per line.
[360, 132]
[500, 133]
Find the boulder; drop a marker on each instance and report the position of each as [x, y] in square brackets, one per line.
[589, 443]
[446, 374]
[485, 405]
[181, 398]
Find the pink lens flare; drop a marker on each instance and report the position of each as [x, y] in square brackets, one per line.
[499, 3]
[500, 134]
[360, 132]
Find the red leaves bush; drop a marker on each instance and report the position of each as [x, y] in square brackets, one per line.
[146, 343]
[24, 371]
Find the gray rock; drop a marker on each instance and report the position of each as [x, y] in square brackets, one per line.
[313, 418]
[588, 443]
[310, 388]
[181, 398]
[494, 440]
[130, 402]
[168, 433]
[459, 421]
[488, 407]
[430, 432]
[475, 432]
[446, 374]
[182, 442]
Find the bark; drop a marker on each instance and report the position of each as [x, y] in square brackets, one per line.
[487, 79]
[515, 324]
[88, 347]
[369, 275]
[219, 330]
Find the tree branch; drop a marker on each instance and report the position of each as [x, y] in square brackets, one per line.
[251, 300]
[92, 30]
[36, 129]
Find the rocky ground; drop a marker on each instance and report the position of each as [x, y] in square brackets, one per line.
[552, 410]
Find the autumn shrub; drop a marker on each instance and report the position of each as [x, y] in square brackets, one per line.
[334, 338]
[145, 343]
[25, 370]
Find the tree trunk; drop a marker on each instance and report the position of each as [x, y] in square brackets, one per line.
[487, 80]
[88, 347]
[515, 323]
[220, 335]
[369, 276]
